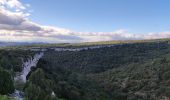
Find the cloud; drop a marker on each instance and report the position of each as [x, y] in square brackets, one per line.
[15, 25]
[12, 4]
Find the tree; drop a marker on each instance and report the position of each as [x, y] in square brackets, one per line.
[6, 82]
[33, 92]
[38, 87]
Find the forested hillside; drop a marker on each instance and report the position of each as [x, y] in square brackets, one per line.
[120, 72]
[129, 71]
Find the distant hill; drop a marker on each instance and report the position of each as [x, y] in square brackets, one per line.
[75, 45]
[84, 44]
[13, 44]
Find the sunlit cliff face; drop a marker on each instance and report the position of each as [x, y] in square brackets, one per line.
[31, 62]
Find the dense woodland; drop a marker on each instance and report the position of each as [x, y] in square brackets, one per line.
[11, 63]
[134, 71]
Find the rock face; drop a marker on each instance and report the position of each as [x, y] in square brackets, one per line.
[83, 48]
[18, 95]
[31, 62]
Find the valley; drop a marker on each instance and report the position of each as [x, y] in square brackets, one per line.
[125, 71]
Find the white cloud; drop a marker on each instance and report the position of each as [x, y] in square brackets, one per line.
[12, 4]
[16, 26]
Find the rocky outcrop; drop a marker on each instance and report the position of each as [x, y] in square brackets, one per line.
[31, 62]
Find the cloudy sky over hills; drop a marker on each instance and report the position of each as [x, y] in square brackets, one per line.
[82, 21]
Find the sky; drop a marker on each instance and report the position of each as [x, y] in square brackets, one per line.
[58, 21]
